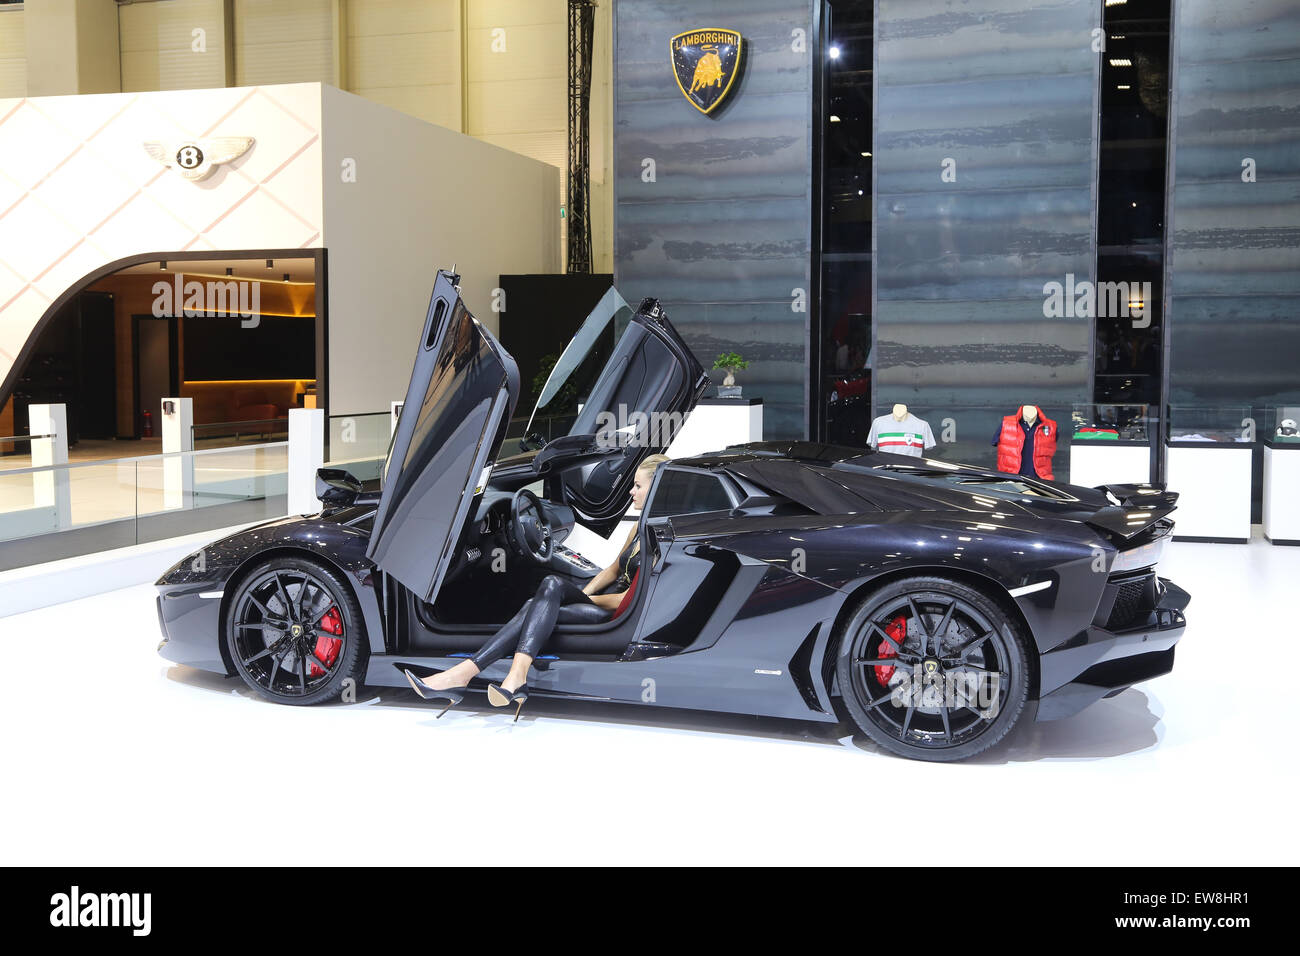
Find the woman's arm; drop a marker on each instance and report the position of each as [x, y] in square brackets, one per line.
[606, 577]
[601, 581]
[609, 602]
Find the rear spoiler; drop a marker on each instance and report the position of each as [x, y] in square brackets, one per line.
[1139, 506]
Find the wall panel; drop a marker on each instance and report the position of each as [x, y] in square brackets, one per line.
[158, 45]
[283, 41]
[1006, 90]
[722, 235]
[13, 52]
[516, 73]
[1234, 250]
[406, 54]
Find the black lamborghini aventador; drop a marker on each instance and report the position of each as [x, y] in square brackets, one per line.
[934, 605]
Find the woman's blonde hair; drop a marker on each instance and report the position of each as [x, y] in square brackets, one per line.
[651, 463]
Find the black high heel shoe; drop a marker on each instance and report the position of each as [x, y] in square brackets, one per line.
[500, 697]
[453, 695]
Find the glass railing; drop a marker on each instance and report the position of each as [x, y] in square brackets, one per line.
[358, 443]
[58, 511]
[227, 434]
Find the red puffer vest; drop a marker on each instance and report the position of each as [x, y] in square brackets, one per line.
[1012, 441]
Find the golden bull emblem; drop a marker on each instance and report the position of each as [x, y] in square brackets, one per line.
[705, 63]
[708, 72]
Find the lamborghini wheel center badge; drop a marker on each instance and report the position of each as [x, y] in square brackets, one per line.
[705, 64]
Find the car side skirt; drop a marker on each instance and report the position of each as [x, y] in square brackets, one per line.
[713, 679]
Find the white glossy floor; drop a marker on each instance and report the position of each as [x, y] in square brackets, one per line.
[111, 756]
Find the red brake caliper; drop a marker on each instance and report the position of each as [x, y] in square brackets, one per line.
[327, 648]
[897, 630]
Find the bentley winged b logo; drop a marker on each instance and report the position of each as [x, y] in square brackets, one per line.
[705, 63]
[196, 159]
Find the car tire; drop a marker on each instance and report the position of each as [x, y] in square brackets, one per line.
[310, 666]
[921, 707]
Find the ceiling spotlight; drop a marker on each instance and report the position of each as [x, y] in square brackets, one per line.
[229, 271]
[859, 192]
[834, 52]
[286, 277]
[1123, 86]
[834, 118]
[1121, 61]
[866, 154]
[270, 263]
[1133, 204]
[162, 265]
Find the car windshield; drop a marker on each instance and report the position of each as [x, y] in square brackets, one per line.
[570, 377]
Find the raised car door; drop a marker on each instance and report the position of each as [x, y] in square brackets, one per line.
[462, 392]
[628, 379]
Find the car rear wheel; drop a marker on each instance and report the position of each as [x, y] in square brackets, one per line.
[295, 633]
[932, 669]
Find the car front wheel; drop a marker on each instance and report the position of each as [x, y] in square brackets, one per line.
[932, 669]
[295, 633]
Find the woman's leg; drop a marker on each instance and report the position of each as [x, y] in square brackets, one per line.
[569, 601]
[582, 614]
[497, 646]
[527, 631]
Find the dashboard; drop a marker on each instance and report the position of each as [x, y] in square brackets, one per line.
[490, 534]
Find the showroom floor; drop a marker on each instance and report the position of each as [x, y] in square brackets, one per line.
[112, 756]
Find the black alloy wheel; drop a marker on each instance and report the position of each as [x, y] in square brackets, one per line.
[932, 669]
[294, 631]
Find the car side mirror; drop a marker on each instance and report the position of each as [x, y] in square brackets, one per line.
[336, 487]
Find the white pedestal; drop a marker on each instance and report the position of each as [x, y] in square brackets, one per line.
[1094, 463]
[306, 454]
[1282, 494]
[51, 489]
[1213, 485]
[177, 437]
[716, 423]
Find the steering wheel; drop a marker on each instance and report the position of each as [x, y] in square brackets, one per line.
[532, 535]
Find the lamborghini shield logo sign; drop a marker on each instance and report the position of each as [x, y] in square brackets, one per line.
[704, 63]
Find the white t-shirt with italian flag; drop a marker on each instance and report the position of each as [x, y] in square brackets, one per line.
[911, 436]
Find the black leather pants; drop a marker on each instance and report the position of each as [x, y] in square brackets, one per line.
[556, 601]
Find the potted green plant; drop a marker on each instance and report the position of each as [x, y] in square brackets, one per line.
[731, 363]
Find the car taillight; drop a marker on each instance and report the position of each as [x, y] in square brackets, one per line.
[1143, 556]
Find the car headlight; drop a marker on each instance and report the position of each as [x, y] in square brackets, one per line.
[1143, 556]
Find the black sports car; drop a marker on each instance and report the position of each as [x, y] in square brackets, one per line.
[935, 604]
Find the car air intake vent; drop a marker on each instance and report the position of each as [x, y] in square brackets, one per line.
[1130, 604]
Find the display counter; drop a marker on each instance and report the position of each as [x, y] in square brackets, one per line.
[716, 423]
[1208, 455]
[1281, 504]
[1110, 444]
